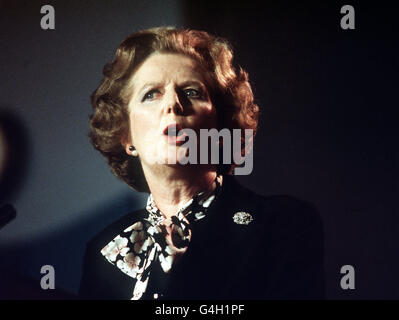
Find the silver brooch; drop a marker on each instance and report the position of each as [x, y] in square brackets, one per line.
[242, 217]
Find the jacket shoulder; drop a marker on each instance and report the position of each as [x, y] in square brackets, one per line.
[282, 213]
[94, 284]
[287, 209]
[112, 230]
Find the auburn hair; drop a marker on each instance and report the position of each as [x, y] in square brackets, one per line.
[229, 89]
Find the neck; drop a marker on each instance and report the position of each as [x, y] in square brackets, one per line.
[171, 186]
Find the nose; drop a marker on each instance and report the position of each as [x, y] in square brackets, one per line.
[173, 103]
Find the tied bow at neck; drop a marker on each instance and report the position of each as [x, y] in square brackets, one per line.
[135, 249]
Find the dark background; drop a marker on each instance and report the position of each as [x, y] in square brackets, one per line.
[327, 130]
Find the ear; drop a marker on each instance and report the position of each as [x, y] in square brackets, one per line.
[126, 142]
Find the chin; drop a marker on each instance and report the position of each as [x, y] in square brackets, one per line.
[176, 158]
[167, 156]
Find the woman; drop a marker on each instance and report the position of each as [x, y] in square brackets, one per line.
[201, 235]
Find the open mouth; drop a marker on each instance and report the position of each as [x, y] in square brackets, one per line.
[173, 130]
[175, 133]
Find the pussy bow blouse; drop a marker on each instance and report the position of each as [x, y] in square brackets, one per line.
[144, 243]
[242, 246]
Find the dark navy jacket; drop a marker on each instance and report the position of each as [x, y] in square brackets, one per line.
[279, 255]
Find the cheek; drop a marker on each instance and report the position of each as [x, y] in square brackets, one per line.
[142, 126]
[207, 115]
[136, 125]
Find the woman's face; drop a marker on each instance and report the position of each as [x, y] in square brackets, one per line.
[168, 90]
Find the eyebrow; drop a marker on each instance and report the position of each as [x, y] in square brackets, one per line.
[149, 85]
[193, 82]
[183, 84]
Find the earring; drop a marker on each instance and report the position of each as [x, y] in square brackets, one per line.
[134, 152]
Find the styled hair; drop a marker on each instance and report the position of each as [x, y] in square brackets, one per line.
[230, 93]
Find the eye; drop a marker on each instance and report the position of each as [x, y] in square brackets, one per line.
[151, 95]
[192, 93]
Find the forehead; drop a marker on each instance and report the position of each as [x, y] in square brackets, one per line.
[166, 67]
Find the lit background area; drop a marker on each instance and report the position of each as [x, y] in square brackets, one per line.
[327, 130]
